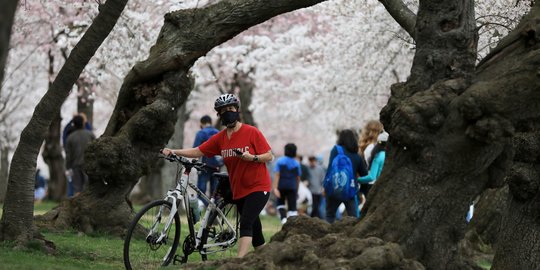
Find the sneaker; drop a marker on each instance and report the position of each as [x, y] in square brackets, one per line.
[283, 220]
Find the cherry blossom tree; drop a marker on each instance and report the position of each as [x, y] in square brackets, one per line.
[330, 67]
[18, 207]
[326, 68]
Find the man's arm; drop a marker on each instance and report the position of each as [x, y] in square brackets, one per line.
[188, 152]
[275, 185]
[263, 158]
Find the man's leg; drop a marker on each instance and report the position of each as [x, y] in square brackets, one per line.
[77, 180]
[331, 207]
[250, 224]
[243, 245]
[282, 210]
[315, 205]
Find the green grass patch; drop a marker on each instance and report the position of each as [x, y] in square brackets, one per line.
[485, 264]
[73, 251]
[98, 251]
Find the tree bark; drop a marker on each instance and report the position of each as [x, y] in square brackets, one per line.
[19, 205]
[519, 244]
[4, 164]
[7, 15]
[486, 222]
[52, 155]
[146, 111]
[168, 172]
[246, 86]
[451, 135]
[52, 152]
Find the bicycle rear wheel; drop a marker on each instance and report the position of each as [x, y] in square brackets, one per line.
[144, 245]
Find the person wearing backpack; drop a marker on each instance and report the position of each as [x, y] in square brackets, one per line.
[344, 166]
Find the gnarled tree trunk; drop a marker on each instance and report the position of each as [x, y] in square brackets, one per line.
[146, 111]
[519, 242]
[451, 136]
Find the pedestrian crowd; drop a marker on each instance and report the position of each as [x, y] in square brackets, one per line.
[323, 191]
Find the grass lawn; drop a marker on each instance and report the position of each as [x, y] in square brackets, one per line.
[79, 251]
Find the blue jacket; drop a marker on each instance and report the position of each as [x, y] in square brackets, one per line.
[202, 136]
[289, 169]
[375, 170]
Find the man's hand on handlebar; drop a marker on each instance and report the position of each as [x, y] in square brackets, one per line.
[166, 152]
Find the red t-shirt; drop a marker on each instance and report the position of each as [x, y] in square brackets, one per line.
[246, 176]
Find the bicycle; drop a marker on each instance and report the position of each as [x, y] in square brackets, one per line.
[156, 227]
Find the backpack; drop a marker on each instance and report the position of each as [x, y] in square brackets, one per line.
[339, 180]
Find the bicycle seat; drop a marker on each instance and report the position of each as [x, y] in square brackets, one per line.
[221, 175]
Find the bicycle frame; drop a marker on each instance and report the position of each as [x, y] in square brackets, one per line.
[180, 193]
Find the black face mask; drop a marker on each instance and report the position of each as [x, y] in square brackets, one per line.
[229, 117]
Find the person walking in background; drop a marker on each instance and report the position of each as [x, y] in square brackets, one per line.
[205, 177]
[68, 129]
[76, 143]
[40, 187]
[317, 173]
[376, 163]
[368, 140]
[245, 152]
[304, 176]
[348, 144]
[287, 173]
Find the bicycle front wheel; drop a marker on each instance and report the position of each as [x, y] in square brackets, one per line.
[150, 243]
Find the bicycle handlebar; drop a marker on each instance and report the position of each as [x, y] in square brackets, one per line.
[194, 163]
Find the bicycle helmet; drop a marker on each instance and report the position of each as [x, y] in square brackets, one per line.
[226, 100]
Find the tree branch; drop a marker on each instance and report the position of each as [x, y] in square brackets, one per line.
[190, 33]
[7, 15]
[402, 14]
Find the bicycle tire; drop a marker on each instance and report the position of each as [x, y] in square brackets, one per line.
[154, 255]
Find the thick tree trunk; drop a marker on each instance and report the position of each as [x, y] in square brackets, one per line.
[246, 86]
[7, 15]
[153, 91]
[4, 164]
[519, 244]
[52, 155]
[16, 222]
[451, 132]
[52, 152]
[489, 211]
[163, 176]
[168, 171]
